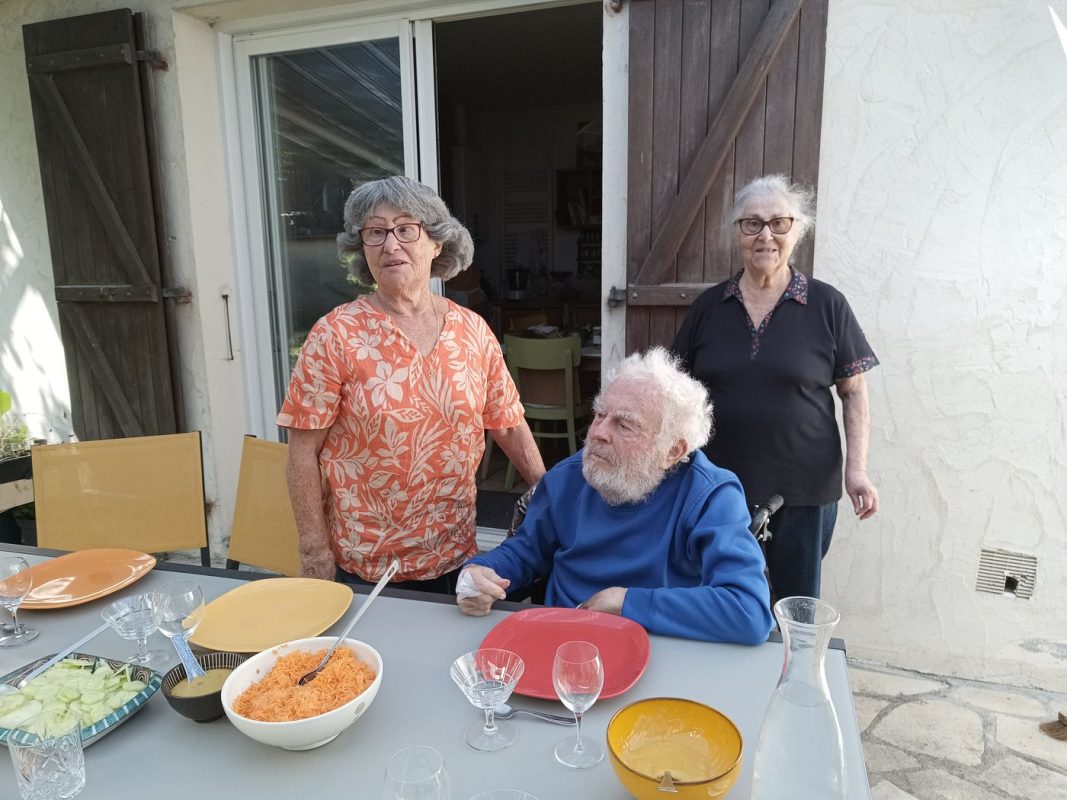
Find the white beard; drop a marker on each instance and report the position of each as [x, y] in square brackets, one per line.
[619, 483]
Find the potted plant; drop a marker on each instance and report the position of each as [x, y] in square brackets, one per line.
[15, 465]
[14, 444]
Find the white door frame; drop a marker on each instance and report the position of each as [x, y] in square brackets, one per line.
[236, 44]
[252, 277]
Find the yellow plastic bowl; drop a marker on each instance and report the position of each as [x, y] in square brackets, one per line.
[700, 747]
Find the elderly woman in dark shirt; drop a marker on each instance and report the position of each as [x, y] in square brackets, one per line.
[769, 343]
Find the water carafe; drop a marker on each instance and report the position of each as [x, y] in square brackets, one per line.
[799, 753]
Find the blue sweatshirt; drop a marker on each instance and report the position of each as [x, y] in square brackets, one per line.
[685, 555]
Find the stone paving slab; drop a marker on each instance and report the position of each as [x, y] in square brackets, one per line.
[886, 758]
[936, 784]
[867, 708]
[1023, 736]
[935, 728]
[883, 684]
[944, 738]
[1017, 777]
[888, 791]
[1000, 700]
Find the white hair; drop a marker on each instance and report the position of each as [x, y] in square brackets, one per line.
[801, 200]
[687, 409]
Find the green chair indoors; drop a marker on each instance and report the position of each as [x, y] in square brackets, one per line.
[545, 372]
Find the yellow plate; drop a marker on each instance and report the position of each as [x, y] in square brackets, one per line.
[83, 576]
[261, 614]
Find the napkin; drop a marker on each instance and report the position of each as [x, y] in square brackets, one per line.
[465, 585]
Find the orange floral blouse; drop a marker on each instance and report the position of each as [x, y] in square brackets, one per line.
[406, 434]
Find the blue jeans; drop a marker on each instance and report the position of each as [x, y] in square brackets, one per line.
[801, 537]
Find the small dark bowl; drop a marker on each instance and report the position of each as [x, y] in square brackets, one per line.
[205, 707]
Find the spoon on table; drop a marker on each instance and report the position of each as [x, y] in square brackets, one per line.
[390, 571]
[504, 711]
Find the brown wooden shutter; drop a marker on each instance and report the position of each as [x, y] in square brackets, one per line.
[90, 115]
[721, 91]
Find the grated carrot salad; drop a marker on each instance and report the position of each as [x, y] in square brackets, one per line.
[278, 698]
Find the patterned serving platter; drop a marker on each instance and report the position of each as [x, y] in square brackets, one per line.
[102, 727]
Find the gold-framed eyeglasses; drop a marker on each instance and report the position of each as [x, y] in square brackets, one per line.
[752, 226]
[406, 232]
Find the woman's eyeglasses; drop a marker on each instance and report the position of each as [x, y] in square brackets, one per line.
[407, 232]
[751, 226]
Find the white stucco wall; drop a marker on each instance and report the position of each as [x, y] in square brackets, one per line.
[943, 217]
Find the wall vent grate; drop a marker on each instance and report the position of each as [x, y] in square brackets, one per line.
[1004, 572]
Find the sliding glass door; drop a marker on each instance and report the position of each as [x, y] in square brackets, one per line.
[320, 113]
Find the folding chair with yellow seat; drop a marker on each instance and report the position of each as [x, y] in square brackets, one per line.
[264, 529]
[545, 372]
[141, 493]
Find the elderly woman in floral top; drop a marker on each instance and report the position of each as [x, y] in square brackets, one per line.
[770, 343]
[389, 401]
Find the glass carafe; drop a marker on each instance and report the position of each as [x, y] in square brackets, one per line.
[799, 753]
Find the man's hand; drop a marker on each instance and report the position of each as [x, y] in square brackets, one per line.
[490, 588]
[608, 600]
[862, 492]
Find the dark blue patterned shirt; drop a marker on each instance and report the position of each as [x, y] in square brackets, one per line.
[774, 411]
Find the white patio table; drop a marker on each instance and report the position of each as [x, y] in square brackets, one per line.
[161, 755]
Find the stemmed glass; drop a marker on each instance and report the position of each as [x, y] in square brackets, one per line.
[578, 677]
[416, 773]
[179, 609]
[134, 618]
[487, 678]
[15, 583]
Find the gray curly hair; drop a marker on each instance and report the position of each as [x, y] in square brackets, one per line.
[801, 200]
[416, 200]
[688, 412]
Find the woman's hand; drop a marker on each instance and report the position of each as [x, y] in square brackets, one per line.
[487, 585]
[862, 492]
[857, 418]
[305, 493]
[320, 564]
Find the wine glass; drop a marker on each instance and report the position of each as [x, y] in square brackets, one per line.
[487, 678]
[15, 583]
[179, 609]
[134, 619]
[578, 677]
[416, 773]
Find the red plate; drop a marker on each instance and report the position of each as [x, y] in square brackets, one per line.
[536, 633]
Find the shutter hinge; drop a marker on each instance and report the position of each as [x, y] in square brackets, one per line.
[178, 295]
[154, 58]
[614, 6]
[616, 297]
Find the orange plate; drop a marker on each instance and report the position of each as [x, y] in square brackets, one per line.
[83, 576]
[535, 633]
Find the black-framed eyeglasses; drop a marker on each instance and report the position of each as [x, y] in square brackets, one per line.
[406, 232]
[751, 226]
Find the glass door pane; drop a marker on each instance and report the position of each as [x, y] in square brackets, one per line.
[328, 119]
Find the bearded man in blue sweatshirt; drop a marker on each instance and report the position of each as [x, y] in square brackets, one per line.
[639, 522]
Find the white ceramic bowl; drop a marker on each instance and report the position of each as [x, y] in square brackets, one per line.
[301, 734]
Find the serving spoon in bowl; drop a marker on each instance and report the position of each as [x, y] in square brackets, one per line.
[390, 571]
